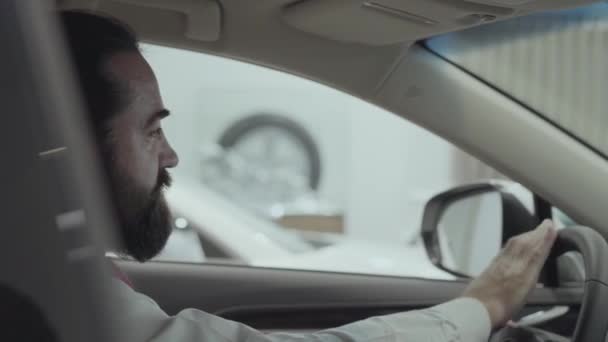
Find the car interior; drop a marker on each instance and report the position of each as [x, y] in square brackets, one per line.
[371, 49]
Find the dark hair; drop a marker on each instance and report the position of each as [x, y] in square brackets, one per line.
[92, 39]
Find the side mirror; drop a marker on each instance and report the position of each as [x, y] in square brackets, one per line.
[463, 229]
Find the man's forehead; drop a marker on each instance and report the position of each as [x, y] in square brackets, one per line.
[132, 69]
[131, 66]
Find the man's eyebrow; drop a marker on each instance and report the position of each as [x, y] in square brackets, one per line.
[161, 114]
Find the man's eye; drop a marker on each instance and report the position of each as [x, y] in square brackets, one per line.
[157, 132]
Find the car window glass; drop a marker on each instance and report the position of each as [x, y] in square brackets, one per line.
[554, 63]
[562, 219]
[280, 171]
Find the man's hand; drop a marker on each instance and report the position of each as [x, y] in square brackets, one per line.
[505, 284]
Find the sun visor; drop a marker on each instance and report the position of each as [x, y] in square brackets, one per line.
[382, 22]
[203, 18]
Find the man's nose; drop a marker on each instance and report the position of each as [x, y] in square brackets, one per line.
[169, 157]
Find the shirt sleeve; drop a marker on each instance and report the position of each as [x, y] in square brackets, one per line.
[464, 320]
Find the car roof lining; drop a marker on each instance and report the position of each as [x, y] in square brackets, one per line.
[263, 32]
[369, 22]
[381, 22]
[270, 33]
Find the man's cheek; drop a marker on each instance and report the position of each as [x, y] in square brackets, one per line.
[146, 170]
[149, 177]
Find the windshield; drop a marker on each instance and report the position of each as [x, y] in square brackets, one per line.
[554, 63]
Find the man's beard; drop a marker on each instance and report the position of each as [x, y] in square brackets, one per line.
[143, 215]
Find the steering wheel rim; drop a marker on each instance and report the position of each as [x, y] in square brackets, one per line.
[592, 322]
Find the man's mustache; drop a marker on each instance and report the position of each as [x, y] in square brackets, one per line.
[163, 181]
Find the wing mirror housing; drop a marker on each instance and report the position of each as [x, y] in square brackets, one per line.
[464, 228]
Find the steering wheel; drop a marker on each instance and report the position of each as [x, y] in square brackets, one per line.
[592, 323]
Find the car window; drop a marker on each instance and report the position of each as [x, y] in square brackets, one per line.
[562, 219]
[554, 63]
[280, 171]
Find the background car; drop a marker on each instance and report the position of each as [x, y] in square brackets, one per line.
[214, 229]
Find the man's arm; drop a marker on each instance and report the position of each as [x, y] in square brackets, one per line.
[489, 302]
[463, 319]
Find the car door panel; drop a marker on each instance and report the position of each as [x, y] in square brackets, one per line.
[271, 299]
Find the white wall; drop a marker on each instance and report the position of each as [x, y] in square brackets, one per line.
[394, 168]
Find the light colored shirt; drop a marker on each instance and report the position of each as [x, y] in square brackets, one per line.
[461, 320]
